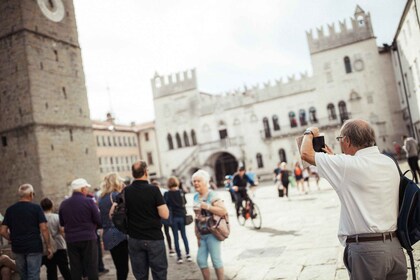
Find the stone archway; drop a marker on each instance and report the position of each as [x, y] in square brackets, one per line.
[225, 164]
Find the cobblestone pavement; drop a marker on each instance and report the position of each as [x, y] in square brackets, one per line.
[297, 240]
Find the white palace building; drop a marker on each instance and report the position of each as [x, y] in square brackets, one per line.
[257, 126]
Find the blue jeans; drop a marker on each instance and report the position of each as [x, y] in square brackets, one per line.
[145, 254]
[209, 245]
[29, 265]
[178, 223]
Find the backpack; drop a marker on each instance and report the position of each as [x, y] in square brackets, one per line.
[212, 223]
[119, 216]
[408, 223]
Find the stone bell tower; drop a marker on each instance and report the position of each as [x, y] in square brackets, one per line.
[46, 136]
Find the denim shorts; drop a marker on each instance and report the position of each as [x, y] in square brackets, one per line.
[209, 245]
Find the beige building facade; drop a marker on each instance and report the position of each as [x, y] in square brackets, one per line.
[256, 126]
[119, 146]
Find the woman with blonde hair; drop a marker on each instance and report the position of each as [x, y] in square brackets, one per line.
[206, 203]
[114, 240]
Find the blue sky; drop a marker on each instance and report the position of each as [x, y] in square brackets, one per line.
[230, 43]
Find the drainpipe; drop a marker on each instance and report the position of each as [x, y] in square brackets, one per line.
[395, 48]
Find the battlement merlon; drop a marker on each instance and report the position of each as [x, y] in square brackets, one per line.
[360, 29]
[174, 83]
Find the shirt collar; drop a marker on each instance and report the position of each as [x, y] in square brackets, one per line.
[367, 151]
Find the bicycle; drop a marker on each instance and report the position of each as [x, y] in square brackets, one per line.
[250, 211]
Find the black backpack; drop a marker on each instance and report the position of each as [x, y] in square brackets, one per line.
[119, 217]
[408, 223]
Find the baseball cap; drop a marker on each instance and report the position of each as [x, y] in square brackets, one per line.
[79, 183]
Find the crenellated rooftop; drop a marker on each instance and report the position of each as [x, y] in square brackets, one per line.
[360, 29]
[174, 83]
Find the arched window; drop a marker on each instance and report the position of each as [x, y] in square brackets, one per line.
[276, 125]
[342, 109]
[223, 133]
[186, 140]
[312, 115]
[302, 117]
[178, 140]
[347, 64]
[193, 138]
[292, 119]
[267, 131]
[170, 143]
[282, 155]
[260, 163]
[331, 112]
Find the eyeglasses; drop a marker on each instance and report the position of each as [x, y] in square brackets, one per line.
[338, 138]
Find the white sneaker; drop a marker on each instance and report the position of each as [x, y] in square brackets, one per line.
[179, 261]
[189, 259]
[171, 253]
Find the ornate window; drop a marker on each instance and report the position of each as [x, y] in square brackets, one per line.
[342, 108]
[292, 119]
[347, 64]
[193, 138]
[178, 140]
[170, 143]
[186, 140]
[260, 163]
[276, 125]
[302, 117]
[312, 115]
[331, 112]
[267, 131]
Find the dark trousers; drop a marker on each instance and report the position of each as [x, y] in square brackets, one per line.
[59, 259]
[238, 202]
[120, 257]
[178, 223]
[168, 236]
[83, 256]
[101, 266]
[145, 254]
[413, 162]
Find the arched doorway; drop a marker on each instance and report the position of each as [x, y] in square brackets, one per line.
[225, 164]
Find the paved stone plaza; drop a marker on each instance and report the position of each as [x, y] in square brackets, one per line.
[297, 240]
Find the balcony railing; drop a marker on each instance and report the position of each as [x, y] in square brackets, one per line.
[222, 143]
[287, 130]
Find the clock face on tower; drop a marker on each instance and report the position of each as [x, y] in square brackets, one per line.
[52, 9]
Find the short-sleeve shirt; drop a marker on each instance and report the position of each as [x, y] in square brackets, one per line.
[367, 185]
[142, 201]
[54, 228]
[23, 219]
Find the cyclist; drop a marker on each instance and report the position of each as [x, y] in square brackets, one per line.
[240, 182]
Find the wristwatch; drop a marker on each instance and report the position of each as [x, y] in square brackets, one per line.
[308, 131]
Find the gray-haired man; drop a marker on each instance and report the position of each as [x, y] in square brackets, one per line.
[23, 224]
[366, 182]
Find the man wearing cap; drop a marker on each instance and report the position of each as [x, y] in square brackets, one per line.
[23, 224]
[80, 218]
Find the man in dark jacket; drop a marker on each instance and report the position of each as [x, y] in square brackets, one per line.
[80, 218]
[240, 182]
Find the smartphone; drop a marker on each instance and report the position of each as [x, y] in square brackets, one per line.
[318, 143]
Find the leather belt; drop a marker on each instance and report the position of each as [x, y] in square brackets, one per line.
[371, 237]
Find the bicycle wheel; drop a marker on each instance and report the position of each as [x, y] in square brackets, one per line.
[256, 217]
[241, 217]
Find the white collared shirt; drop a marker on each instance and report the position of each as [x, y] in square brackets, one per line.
[367, 185]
